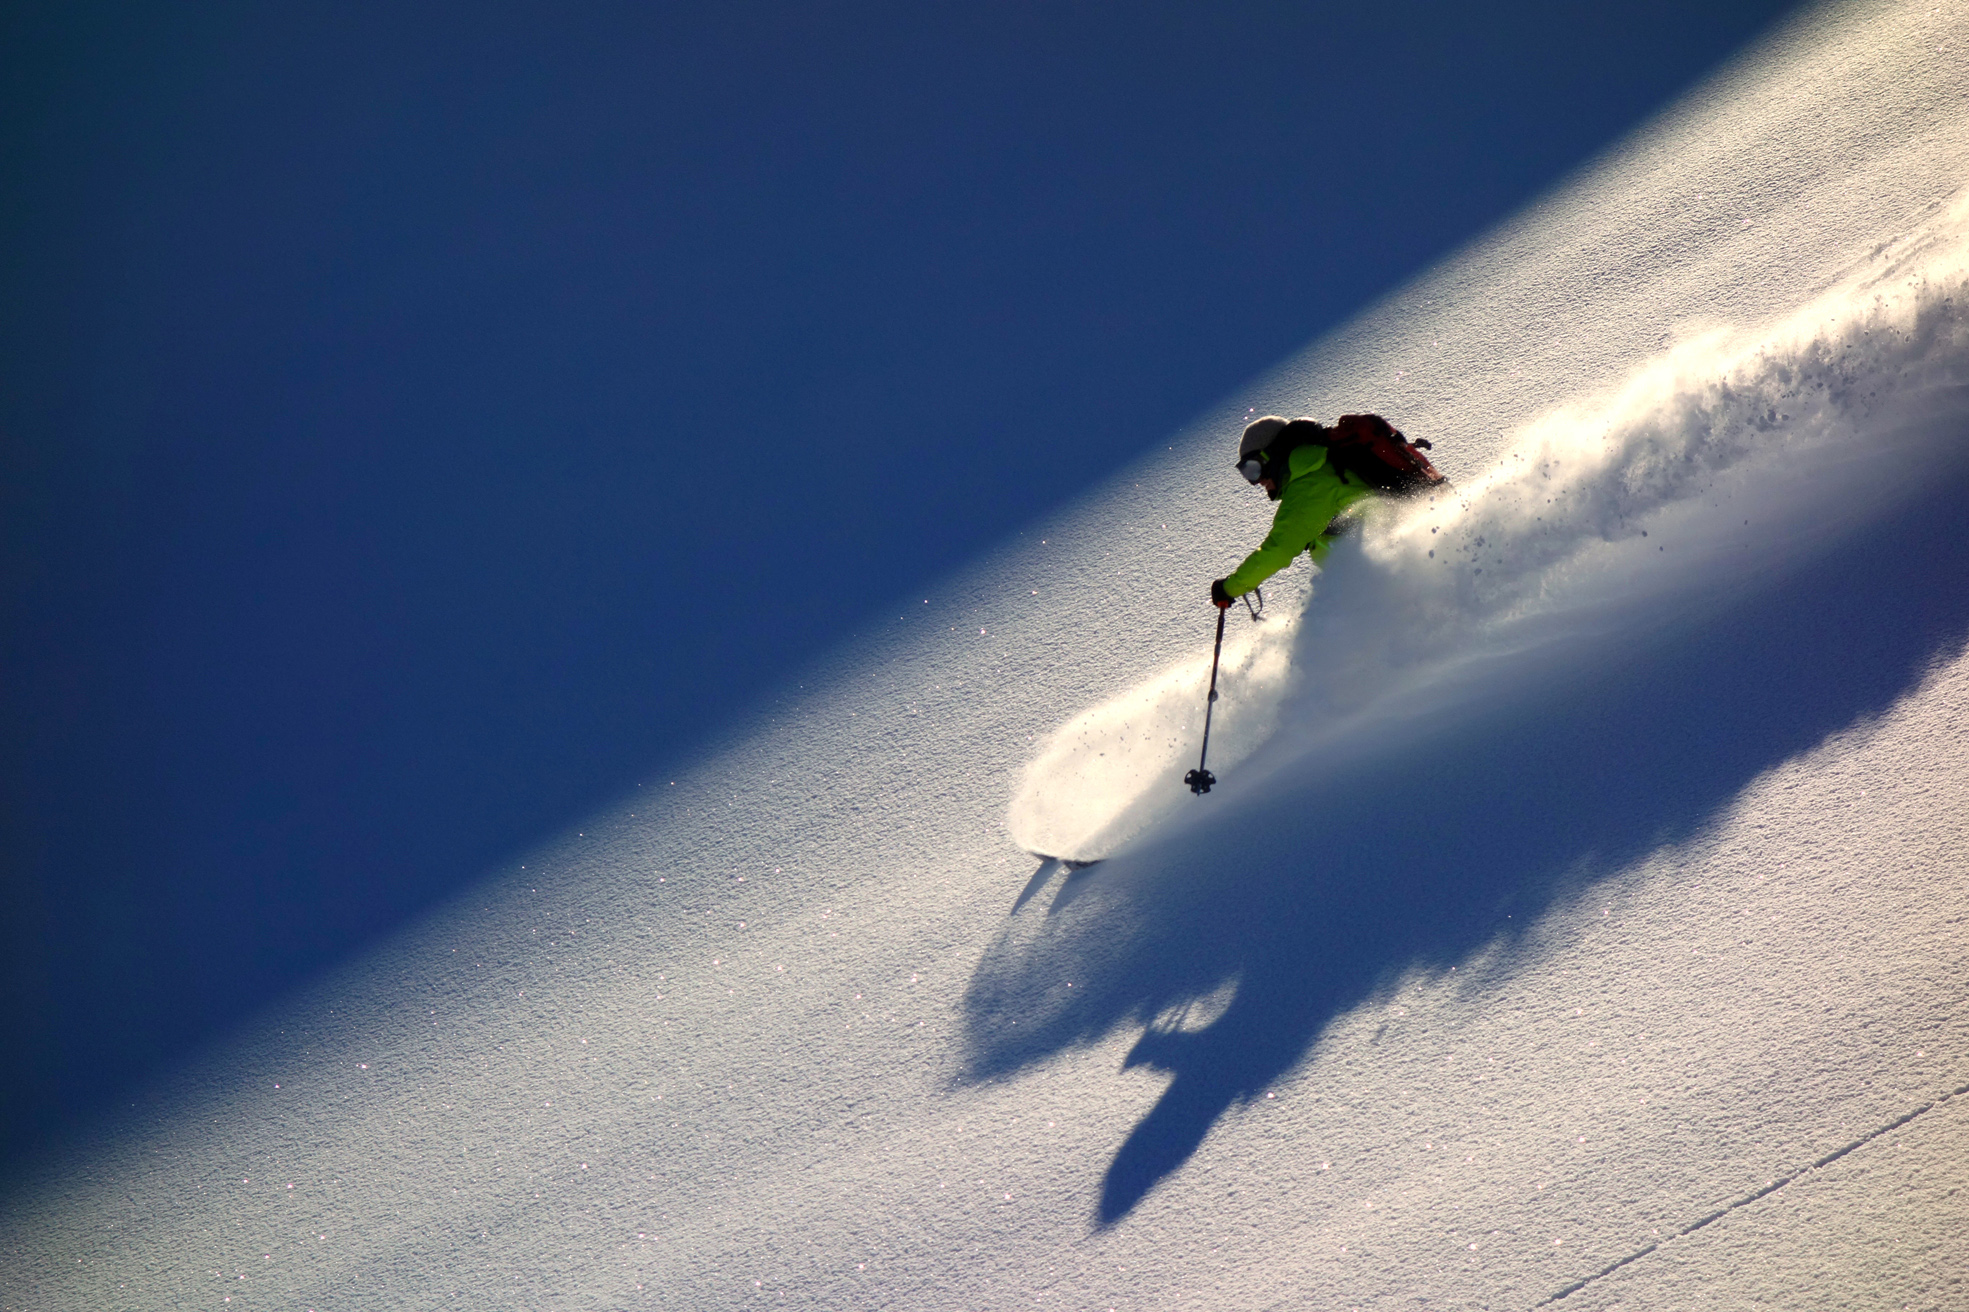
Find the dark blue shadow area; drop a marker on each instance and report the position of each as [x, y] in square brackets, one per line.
[418, 423]
[1313, 899]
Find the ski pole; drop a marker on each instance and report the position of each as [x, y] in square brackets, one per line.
[1200, 779]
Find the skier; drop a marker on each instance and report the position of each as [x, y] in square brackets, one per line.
[1315, 473]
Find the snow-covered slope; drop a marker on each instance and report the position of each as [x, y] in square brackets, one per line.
[1581, 913]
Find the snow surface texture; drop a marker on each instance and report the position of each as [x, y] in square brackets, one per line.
[1660, 1005]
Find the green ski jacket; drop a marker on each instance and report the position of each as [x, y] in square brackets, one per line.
[1312, 496]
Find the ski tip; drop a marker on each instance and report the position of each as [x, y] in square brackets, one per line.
[1070, 863]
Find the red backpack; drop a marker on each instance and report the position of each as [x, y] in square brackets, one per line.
[1370, 449]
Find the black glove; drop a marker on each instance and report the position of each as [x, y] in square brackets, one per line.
[1218, 597]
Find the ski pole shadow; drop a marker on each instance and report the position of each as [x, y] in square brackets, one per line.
[1311, 895]
[1077, 872]
[1047, 865]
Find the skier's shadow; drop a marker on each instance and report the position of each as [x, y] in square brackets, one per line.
[1313, 897]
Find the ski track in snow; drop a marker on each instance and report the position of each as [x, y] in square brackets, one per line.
[1661, 1007]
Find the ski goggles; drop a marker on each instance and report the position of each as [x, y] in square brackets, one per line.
[1252, 469]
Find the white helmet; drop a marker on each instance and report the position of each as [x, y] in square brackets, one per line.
[1258, 435]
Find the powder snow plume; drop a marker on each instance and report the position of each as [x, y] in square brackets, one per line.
[1731, 458]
